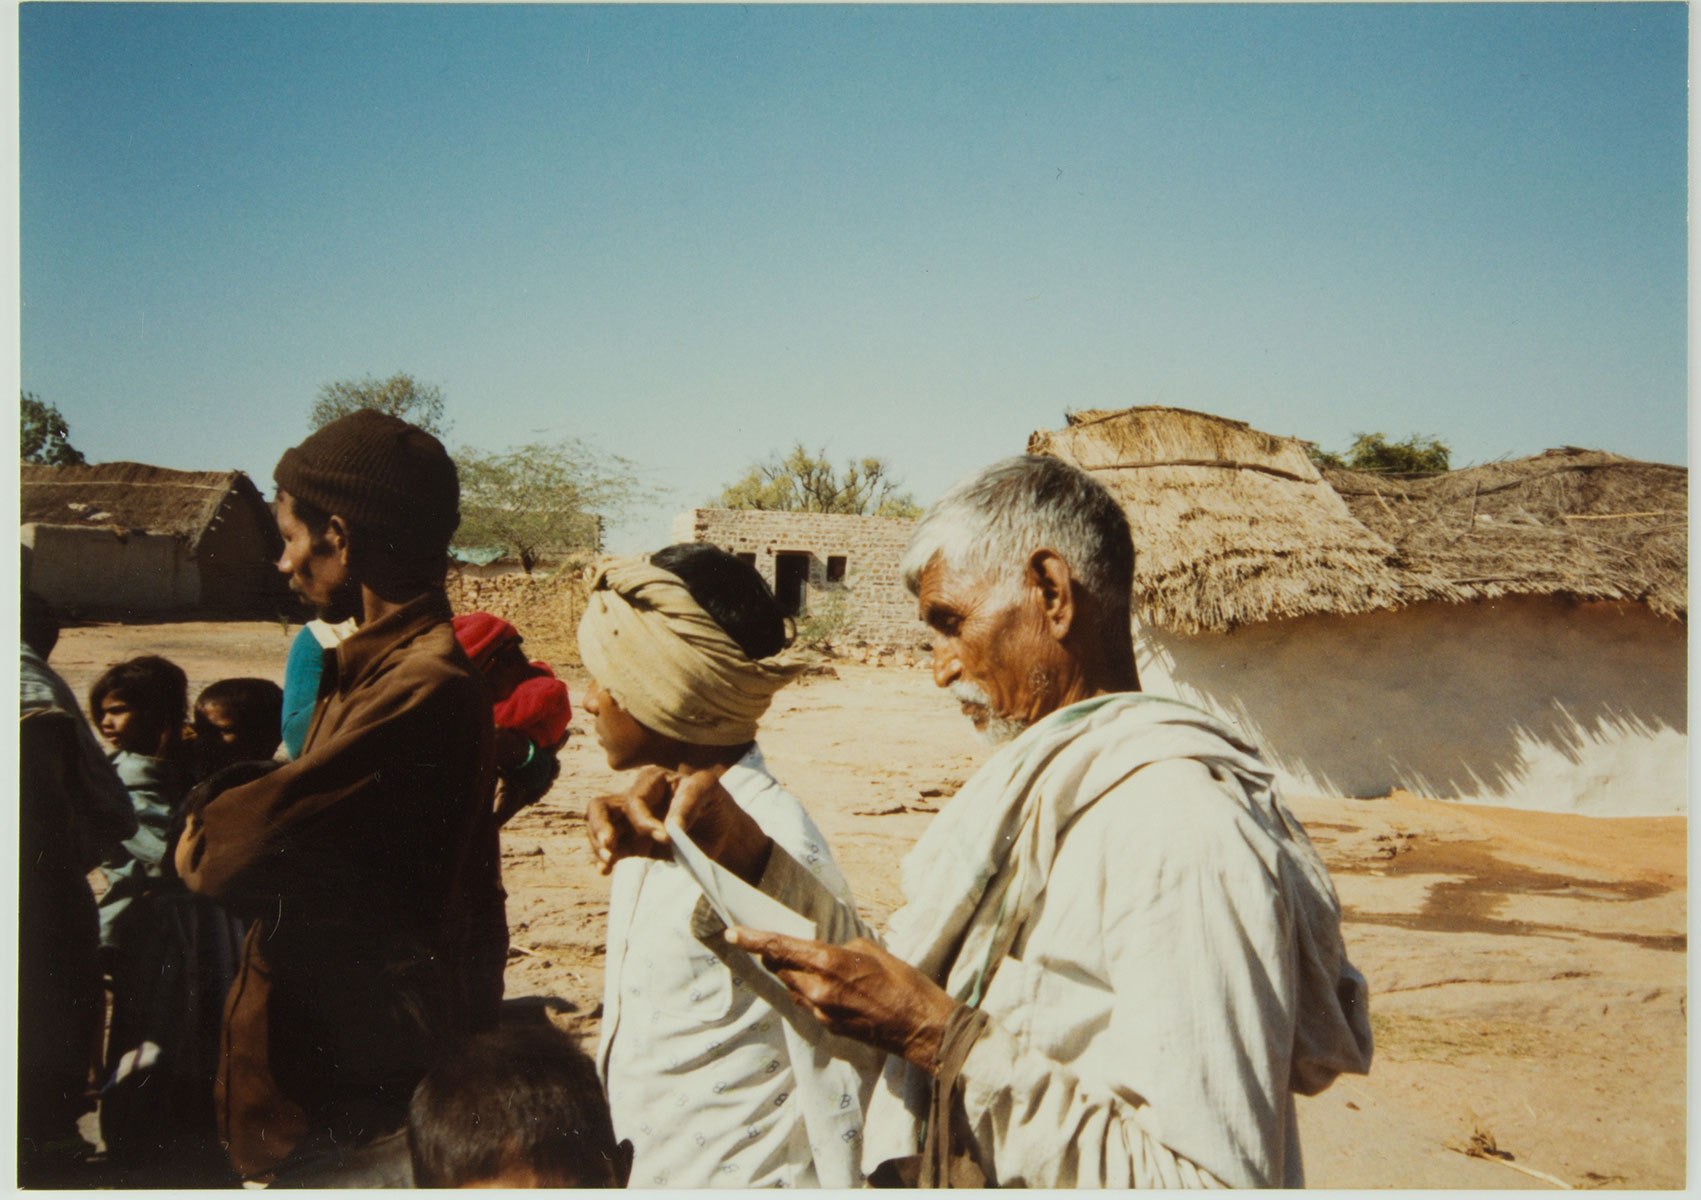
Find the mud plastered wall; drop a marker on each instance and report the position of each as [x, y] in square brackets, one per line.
[1524, 702]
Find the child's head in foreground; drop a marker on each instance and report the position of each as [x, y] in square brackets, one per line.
[664, 680]
[530, 700]
[139, 705]
[516, 1107]
[238, 720]
[494, 646]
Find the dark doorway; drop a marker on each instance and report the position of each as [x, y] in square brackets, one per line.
[791, 575]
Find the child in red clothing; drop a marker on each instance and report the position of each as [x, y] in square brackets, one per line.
[532, 710]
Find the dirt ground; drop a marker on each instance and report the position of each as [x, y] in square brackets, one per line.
[1528, 971]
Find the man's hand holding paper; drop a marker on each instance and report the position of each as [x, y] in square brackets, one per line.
[859, 990]
[637, 822]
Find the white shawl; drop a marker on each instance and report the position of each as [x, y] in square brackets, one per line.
[972, 880]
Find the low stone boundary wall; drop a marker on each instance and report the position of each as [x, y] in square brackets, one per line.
[544, 608]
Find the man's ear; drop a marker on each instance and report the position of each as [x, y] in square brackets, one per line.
[337, 538]
[1049, 573]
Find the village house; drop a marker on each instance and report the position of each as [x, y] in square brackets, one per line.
[833, 572]
[130, 539]
[1510, 634]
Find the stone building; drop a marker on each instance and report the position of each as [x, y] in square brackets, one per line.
[836, 572]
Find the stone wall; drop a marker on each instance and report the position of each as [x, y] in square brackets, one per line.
[544, 608]
[868, 606]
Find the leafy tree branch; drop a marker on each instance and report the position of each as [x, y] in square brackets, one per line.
[799, 481]
[543, 499]
[401, 395]
[44, 436]
[1417, 455]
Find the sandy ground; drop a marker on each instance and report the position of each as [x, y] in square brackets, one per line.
[1528, 971]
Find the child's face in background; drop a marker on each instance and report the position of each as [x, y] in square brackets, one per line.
[222, 736]
[129, 728]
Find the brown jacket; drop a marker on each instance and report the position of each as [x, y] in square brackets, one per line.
[364, 864]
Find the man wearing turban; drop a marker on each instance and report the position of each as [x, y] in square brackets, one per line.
[1119, 957]
[712, 1076]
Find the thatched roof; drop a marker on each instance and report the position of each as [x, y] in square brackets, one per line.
[131, 496]
[1572, 522]
[1231, 525]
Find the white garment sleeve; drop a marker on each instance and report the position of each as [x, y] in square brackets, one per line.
[788, 824]
[832, 1075]
[1183, 1021]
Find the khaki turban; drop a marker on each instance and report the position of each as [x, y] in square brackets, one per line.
[665, 661]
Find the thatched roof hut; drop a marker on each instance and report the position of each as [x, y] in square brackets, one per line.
[129, 536]
[1569, 522]
[1232, 526]
[132, 496]
[1325, 613]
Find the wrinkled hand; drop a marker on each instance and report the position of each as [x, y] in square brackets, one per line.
[858, 990]
[631, 824]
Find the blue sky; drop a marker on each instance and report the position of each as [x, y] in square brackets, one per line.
[693, 235]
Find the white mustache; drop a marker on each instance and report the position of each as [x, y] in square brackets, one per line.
[967, 693]
[997, 729]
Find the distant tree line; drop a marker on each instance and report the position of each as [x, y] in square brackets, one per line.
[1420, 454]
[544, 500]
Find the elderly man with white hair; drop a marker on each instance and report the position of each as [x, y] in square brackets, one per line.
[1119, 956]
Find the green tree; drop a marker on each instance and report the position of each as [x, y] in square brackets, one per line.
[543, 499]
[803, 482]
[1417, 455]
[44, 436]
[401, 395]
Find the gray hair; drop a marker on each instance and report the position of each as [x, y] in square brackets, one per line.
[988, 524]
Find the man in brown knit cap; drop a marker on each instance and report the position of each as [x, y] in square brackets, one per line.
[369, 864]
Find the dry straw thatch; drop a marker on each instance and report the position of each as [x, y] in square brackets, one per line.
[1569, 522]
[127, 496]
[1233, 526]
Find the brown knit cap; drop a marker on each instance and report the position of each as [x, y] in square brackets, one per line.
[378, 472]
